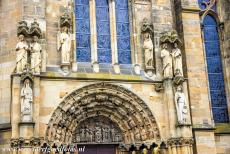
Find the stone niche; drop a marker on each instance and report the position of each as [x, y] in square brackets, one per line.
[142, 10]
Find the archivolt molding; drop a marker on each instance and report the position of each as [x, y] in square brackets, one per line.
[114, 102]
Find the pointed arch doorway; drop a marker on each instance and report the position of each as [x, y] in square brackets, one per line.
[101, 117]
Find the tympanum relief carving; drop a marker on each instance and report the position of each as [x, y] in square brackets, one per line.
[97, 130]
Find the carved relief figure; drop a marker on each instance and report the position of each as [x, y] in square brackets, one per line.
[180, 105]
[177, 60]
[98, 134]
[167, 61]
[21, 49]
[26, 102]
[64, 45]
[36, 50]
[148, 50]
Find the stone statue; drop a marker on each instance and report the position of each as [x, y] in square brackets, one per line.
[36, 50]
[180, 105]
[26, 102]
[21, 49]
[98, 134]
[156, 150]
[64, 45]
[148, 50]
[167, 61]
[177, 60]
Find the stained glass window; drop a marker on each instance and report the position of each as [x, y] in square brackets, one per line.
[123, 32]
[83, 30]
[215, 71]
[103, 31]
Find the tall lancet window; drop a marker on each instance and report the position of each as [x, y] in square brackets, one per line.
[83, 30]
[123, 32]
[214, 63]
[103, 31]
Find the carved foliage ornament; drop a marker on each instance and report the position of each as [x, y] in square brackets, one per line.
[23, 142]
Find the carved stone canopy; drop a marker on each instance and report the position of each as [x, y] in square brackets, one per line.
[35, 29]
[65, 20]
[24, 29]
[126, 111]
[170, 37]
[147, 27]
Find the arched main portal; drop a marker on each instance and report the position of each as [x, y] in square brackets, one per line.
[103, 113]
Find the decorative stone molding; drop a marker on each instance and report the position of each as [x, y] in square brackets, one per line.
[26, 142]
[180, 142]
[121, 106]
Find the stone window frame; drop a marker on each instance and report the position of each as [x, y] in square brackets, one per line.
[113, 32]
[220, 30]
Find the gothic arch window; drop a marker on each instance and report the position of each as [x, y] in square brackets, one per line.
[214, 62]
[103, 31]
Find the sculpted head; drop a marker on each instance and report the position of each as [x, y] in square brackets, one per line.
[165, 46]
[35, 38]
[175, 44]
[179, 88]
[65, 29]
[27, 83]
[21, 37]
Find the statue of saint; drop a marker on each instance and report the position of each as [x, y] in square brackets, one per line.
[36, 50]
[148, 50]
[167, 61]
[21, 49]
[26, 102]
[180, 105]
[177, 60]
[64, 45]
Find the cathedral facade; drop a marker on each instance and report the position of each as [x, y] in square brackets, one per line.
[115, 76]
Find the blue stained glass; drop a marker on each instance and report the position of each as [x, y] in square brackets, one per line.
[215, 71]
[103, 32]
[83, 30]
[123, 32]
[220, 114]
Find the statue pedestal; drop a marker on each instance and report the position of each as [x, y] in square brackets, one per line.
[149, 70]
[74, 67]
[137, 69]
[65, 67]
[26, 129]
[116, 68]
[96, 67]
